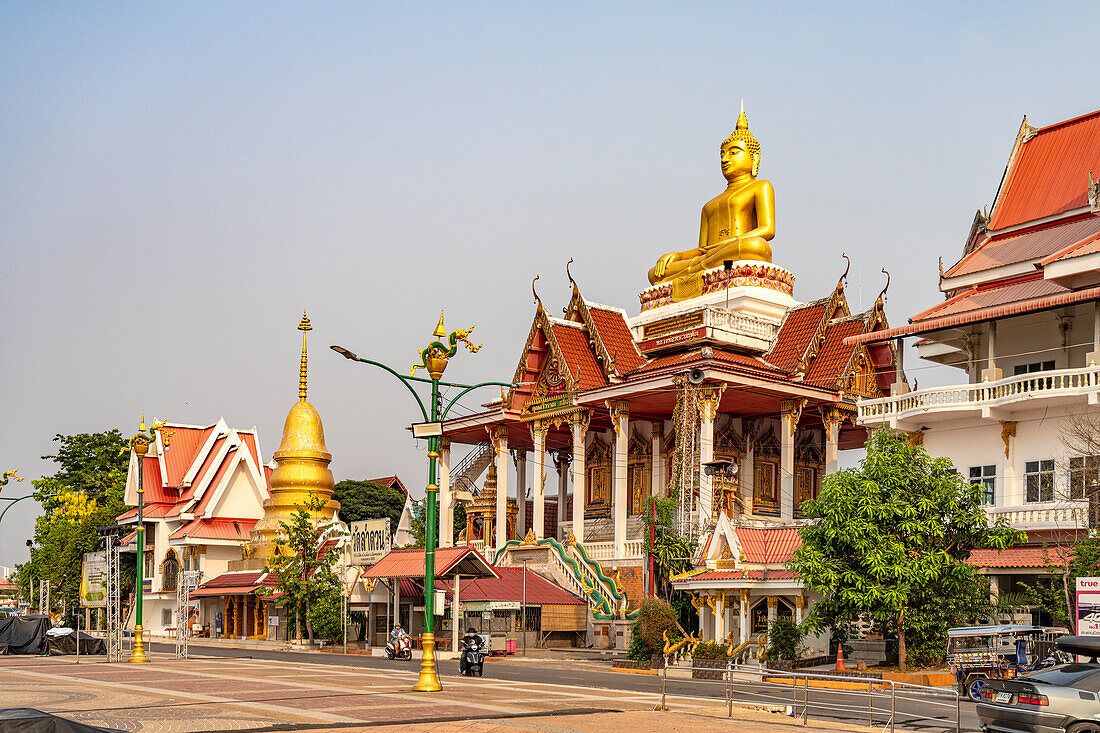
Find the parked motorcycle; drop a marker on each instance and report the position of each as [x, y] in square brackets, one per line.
[400, 648]
[473, 655]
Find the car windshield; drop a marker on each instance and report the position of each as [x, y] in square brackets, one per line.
[1065, 675]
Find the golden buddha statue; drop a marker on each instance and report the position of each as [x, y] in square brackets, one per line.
[736, 224]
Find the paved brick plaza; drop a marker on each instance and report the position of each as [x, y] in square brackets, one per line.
[243, 694]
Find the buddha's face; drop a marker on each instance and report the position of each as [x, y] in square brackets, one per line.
[736, 159]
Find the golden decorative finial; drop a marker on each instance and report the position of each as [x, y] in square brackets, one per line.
[570, 276]
[882, 296]
[302, 370]
[742, 120]
[538, 300]
[141, 428]
[440, 331]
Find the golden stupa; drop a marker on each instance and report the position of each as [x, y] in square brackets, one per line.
[301, 467]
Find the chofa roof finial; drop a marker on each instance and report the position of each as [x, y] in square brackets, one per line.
[847, 266]
[882, 295]
[538, 300]
[570, 276]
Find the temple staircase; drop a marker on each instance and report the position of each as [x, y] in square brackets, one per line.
[469, 469]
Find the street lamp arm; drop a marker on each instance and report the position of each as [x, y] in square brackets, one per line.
[18, 499]
[402, 377]
[450, 404]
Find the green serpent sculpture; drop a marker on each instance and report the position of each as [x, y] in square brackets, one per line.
[603, 608]
[437, 350]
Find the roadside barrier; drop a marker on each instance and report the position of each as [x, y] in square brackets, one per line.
[860, 699]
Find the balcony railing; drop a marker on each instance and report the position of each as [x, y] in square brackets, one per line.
[1042, 517]
[1058, 383]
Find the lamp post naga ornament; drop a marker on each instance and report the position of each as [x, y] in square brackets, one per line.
[139, 444]
[434, 359]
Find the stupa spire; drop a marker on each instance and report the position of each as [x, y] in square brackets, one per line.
[304, 327]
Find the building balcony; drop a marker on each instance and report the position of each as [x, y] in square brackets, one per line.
[1034, 517]
[989, 400]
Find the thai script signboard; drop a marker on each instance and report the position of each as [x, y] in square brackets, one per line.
[370, 541]
[93, 580]
[1088, 606]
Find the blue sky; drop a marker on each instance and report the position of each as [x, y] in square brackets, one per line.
[177, 182]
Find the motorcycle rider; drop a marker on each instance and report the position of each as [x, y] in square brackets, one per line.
[471, 642]
[397, 636]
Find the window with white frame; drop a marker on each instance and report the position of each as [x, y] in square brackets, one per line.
[1039, 480]
[1038, 366]
[1084, 476]
[986, 477]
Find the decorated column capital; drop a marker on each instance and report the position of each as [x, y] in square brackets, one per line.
[800, 601]
[745, 595]
[444, 443]
[1008, 430]
[657, 427]
[497, 433]
[618, 410]
[773, 602]
[580, 420]
[539, 428]
[836, 415]
[792, 408]
[709, 397]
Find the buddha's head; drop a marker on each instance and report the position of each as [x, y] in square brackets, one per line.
[740, 151]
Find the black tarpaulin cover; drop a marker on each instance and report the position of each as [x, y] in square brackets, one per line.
[66, 644]
[29, 720]
[24, 634]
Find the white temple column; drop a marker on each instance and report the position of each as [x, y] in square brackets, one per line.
[747, 474]
[657, 470]
[620, 420]
[578, 424]
[499, 438]
[719, 617]
[561, 463]
[790, 412]
[700, 604]
[799, 606]
[709, 398]
[773, 607]
[538, 493]
[446, 496]
[520, 456]
[456, 607]
[744, 615]
[832, 419]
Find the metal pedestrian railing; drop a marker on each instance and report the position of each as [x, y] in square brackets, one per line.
[866, 700]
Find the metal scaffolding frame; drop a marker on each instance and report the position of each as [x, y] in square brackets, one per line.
[114, 602]
[44, 596]
[188, 581]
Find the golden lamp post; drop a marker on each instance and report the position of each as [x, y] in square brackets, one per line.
[434, 359]
[140, 446]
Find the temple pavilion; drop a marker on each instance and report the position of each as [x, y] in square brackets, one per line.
[723, 392]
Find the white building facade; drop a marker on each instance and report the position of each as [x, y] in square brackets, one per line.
[1021, 321]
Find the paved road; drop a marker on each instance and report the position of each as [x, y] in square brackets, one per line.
[827, 704]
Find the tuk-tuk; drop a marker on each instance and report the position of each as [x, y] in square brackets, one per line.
[1003, 651]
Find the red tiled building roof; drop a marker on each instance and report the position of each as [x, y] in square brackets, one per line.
[508, 586]
[184, 445]
[578, 356]
[613, 331]
[739, 575]
[768, 546]
[687, 357]
[1016, 557]
[834, 354]
[799, 325]
[237, 530]
[410, 563]
[1050, 172]
[391, 481]
[1028, 245]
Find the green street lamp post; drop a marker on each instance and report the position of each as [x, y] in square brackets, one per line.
[434, 359]
[139, 443]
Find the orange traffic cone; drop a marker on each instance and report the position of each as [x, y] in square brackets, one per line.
[839, 657]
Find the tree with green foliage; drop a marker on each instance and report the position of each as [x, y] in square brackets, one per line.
[889, 542]
[84, 494]
[361, 500]
[304, 571]
[671, 553]
[418, 527]
[1055, 593]
[784, 639]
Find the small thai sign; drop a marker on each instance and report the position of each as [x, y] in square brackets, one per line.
[1088, 606]
[673, 339]
[370, 541]
[547, 404]
[93, 580]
